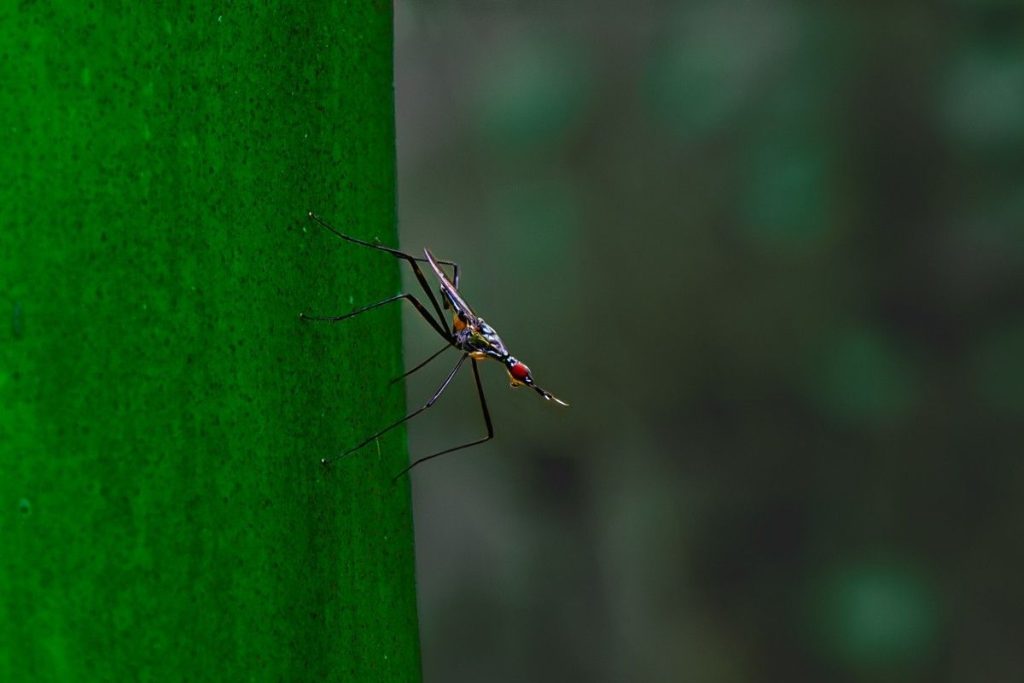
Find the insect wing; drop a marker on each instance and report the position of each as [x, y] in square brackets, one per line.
[448, 288]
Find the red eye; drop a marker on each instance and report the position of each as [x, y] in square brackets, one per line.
[520, 372]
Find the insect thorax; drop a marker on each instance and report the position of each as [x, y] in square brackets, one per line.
[481, 341]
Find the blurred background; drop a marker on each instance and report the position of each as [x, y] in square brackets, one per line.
[773, 255]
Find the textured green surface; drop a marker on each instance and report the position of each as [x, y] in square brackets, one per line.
[163, 512]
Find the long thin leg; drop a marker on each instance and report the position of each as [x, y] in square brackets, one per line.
[399, 254]
[432, 357]
[438, 327]
[433, 399]
[487, 420]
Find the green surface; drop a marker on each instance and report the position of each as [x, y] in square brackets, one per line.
[163, 512]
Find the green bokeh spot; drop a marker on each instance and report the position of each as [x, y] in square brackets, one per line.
[871, 616]
[708, 65]
[533, 93]
[536, 223]
[697, 86]
[866, 379]
[786, 199]
[983, 99]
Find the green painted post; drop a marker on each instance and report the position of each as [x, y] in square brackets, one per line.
[163, 511]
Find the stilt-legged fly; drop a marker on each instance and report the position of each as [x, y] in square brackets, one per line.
[474, 338]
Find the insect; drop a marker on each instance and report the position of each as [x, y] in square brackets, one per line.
[469, 333]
